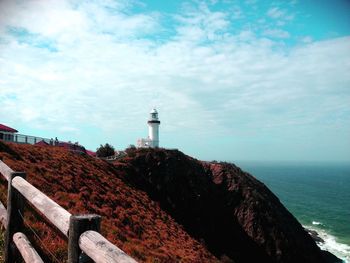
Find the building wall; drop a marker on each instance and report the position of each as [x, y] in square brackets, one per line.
[6, 136]
[143, 143]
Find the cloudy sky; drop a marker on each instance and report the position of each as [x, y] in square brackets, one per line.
[232, 80]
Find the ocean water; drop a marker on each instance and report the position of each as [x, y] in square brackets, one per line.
[317, 194]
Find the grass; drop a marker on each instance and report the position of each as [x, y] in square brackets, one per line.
[81, 184]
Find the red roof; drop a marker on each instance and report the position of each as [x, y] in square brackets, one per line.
[6, 128]
[91, 153]
[42, 143]
[71, 146]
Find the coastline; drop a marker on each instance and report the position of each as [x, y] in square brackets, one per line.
[316, 194]
[328, 242]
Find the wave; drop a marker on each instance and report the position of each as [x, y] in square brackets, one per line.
[316, 223]
[330, 243]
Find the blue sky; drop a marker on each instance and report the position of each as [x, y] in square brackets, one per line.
[232, 80]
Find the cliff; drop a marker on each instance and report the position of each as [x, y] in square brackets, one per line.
[163, 206]
[236, 216]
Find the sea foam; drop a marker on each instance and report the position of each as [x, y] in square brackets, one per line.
[330, 243]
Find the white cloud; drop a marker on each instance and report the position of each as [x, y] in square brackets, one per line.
[280, 15]
[306, 39]
[276, 33]
[108, 72]
[201, 24]
[48, 18]
[275, 12]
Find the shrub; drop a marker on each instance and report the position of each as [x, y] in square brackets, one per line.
[131, 151]
[105, 150]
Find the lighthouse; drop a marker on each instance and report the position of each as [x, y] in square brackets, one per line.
[153, 128]
[153, 131]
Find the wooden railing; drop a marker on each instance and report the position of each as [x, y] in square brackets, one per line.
[85, 243]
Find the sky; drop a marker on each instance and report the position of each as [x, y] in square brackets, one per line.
[231, 80]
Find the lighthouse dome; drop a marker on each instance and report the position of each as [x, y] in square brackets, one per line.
[154, 111]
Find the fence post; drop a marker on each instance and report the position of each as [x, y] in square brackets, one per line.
[15, 208]
[78, 224]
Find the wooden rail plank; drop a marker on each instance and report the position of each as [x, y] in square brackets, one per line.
[3, 215]
[101, 250]
[5, 170]
[97, 247]
[26, 249]
[56, 214]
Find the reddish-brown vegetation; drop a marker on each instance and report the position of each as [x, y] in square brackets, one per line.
[82, 184]
[163, 206]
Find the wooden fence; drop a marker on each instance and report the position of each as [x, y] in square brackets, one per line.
[85, 243]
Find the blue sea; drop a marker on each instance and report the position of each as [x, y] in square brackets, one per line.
[317, 194]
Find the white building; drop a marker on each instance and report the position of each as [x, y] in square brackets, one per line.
[7, 133]
[153, 131]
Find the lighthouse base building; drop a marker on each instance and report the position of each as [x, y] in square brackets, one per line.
[153, 132]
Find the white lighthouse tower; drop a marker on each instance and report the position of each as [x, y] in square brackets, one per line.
[153, 132]
[153, 128]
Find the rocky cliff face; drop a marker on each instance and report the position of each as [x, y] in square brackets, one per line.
[163, 206]
[237, 217]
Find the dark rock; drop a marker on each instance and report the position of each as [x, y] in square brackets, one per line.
[330, 258]
[237, 216]
[315, 235]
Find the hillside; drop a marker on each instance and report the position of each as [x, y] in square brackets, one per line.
[163, 206]
[81, 184]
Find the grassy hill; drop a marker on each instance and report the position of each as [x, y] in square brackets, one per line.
[81, 184]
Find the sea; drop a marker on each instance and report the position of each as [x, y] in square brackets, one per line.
[317, 194]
